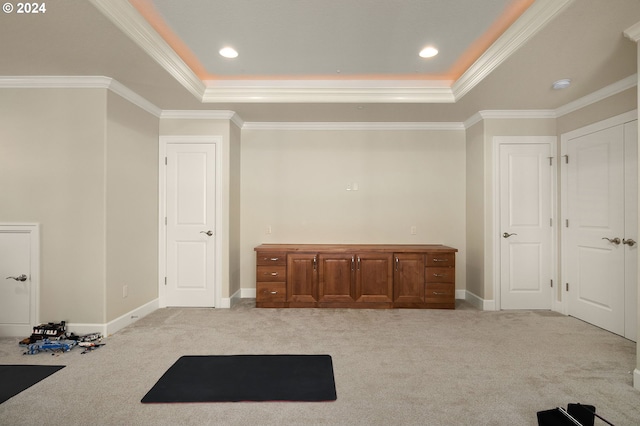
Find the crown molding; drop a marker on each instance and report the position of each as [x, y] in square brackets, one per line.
[633, 32]
[327, 91]
[529, 114]
[446, 126]
[79, 82]
[55, 82]
[203, 115]
[598, 95]
[525, 27]
[127, 18]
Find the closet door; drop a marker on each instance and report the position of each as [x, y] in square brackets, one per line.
[599, 283]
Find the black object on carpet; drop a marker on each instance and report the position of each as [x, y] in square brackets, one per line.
[16, 378]
[233, 378]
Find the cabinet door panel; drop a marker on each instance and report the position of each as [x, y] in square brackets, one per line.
[302, 278]
[336, 278]
[408, 278]
[374, 277]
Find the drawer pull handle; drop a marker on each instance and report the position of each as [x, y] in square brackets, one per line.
[439, 293]
[440, 260]
[275, 259]
[273, 274]
[273, 292]
[439, 275]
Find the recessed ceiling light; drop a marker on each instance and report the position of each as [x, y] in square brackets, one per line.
[428, 52]
[228, 52]
[561, 84]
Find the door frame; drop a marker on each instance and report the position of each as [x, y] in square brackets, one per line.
[162, 212]
[33, 229]
[564, 138]
[552, 141]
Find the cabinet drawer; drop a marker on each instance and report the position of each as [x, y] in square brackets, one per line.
[440, 259]
[440, 275]
[439, 292]
[268, 258]
[271, 273]
[271, 292]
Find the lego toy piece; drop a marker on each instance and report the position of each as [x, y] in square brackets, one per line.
[50, 345]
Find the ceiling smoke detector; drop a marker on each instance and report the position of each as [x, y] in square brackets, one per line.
[561, 84]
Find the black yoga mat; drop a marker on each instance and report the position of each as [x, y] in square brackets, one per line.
[232, 378]
[16, 378]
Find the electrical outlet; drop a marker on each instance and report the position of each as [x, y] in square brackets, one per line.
[268, 231]
[125, 291]
[414, 230]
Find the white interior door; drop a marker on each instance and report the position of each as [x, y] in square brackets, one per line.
[18, 280]
[595, 273]
[631, 229]
[190, 224]
[525, 193]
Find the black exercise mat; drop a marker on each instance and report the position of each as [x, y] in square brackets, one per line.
[232, 378]
[16, 378]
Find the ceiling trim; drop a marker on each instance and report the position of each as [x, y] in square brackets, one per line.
[525, 27]
[352, 126]
[79, 82]
[598, 95]
[328, 92]
[127, 18]
[203, 115]
[633, 32]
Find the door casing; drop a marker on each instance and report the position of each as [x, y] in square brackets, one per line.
[33, 229]
[496, 237]
[162, 212]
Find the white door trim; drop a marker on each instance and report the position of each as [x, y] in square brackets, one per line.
[33, 229]
[564, 138]
[494, 234]
[162, 205]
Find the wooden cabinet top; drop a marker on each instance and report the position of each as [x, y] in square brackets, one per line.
[348, 248]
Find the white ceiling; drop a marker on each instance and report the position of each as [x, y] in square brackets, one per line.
[291, 51]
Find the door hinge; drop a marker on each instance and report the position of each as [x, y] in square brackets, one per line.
[567, 286]
[550, 161]
[165, 161]
[566, 159]
[165, 280]
[551, 283]
[566, 223]
[551, 221]
[165, 221]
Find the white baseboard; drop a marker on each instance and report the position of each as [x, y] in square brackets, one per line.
[461, 294]
[478, 302]
[248, 293]
[117, 324]
[16, 330]
[636, 379]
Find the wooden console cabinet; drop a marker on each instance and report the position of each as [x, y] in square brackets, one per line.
[355, 276]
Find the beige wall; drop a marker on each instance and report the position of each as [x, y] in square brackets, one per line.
[131, 206]
[78, 170]
[606, 108]
[52, 173]
[235, 189]
[475, 206]
[295, 183]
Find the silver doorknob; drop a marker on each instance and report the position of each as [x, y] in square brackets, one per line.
[209, 233]
[22, 278]
[507, 235]
[630, 242]
[615, 240]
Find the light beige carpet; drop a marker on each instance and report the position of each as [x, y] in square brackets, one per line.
[392, 367]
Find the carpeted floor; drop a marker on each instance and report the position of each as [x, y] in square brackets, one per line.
[392, 367]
